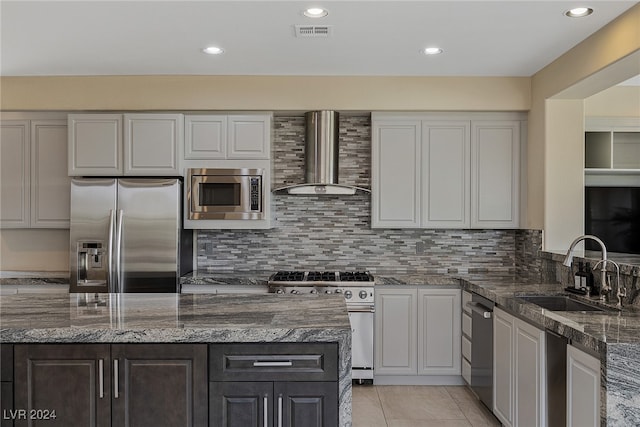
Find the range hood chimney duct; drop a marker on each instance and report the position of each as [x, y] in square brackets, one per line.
[321, 157]
[321, 147]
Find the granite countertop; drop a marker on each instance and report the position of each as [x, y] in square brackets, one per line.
[21, 278]
[225, 278]
[171, 318]
[594, 329]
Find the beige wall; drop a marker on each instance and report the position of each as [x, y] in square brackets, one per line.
[608, 57]
[618, 101]
[34, 250]
[265, 93]
[564, 172]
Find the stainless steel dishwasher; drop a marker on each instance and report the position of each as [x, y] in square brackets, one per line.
[482, 348]
[556, 379]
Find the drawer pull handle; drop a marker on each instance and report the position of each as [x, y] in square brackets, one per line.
[279, 410]
[278, 363]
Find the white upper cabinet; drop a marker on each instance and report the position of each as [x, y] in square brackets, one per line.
[152, 144]
[34, 186]
[130, 144]
[95, 144]
[14, 174]
[395, 157]
[445, 174]
[495, 174]
[205, 137]
[50, 184]
[219, 137]
[249, 137]
[446, 170]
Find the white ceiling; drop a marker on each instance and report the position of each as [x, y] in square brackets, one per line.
[479, 38]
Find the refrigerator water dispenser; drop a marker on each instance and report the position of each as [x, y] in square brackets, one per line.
[92, 264]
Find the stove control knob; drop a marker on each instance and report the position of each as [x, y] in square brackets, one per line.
[279, 291]
[295, 292]
[338, 291]
[329, 291]
[313, 291]
[363, 294]
[348, 294]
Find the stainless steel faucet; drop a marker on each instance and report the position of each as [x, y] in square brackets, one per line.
[621, 292]
[605, 287]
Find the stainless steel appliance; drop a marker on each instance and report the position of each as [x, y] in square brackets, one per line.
[358, 291]
[482, 348]
[126, 235]
[225, 193]
[556, 355]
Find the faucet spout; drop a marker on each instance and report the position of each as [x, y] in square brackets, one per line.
[603, 270]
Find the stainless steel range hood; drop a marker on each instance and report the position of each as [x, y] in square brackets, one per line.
[321, 157]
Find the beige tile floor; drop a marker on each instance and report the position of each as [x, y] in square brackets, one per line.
[418, 406]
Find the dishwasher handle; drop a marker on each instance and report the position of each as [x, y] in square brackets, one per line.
[480, 309]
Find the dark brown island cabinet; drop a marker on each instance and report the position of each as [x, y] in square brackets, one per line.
[280, 385]
[107, 385]
[172, 385]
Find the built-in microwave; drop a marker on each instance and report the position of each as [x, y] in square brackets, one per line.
[225, 193]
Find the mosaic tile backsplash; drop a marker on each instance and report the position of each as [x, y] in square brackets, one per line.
[334, 232]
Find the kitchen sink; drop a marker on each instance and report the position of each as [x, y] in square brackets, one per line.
[560, 303]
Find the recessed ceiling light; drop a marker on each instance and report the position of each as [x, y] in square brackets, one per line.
[213, 50]
[432, 51]
[579, 12]
[315, 12]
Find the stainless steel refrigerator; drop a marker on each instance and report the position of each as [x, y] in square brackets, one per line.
[127, 236]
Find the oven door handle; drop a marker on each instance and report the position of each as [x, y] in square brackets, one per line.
[362, 309]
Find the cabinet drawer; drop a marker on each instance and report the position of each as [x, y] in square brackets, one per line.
[273, 362]
[466, 371]
[466, 324]
[466, 297]
[466, 348]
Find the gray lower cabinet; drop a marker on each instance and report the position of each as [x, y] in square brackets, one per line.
[105, 385]
[267, 385]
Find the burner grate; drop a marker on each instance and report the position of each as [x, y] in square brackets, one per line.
[324, 276]
[355, 276]
[289, 276]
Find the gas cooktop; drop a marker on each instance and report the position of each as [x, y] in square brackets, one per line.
[313, 278]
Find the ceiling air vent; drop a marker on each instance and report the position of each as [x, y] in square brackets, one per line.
[313, 30]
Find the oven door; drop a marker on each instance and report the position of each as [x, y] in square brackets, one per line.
[361, 319]
[212, 194]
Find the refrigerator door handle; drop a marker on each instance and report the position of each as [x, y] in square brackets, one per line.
[110, 275]
[119, 251]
